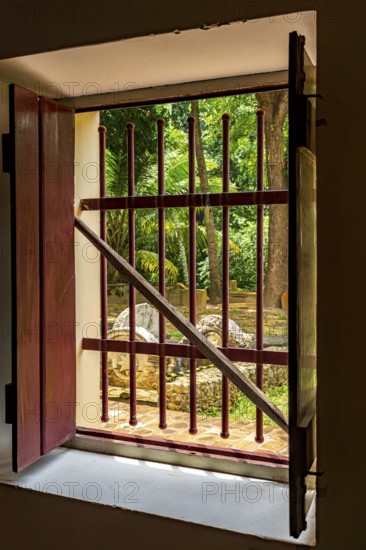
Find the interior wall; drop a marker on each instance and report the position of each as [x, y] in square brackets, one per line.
[87, 267]
[79, 525]
[39, 23]
[341, 295]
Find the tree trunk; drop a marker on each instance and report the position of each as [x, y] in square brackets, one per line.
[276, 280]
[214, 269]
[183, 257]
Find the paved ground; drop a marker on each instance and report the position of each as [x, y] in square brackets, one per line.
[242, 433]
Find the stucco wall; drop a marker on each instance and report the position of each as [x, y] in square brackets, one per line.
[87, 271]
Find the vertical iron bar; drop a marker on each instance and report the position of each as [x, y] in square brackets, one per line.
[192, 272]
[132, 261]
[225, 270]
[103, 273]
[259, 294]
[161, 254]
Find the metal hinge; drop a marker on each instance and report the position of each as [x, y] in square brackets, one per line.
[9, 404]
[317, 96]
[7, 153]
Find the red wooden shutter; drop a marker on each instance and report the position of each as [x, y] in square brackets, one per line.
[24, 181]
[58, 357]
[40, 158]
[302, 282]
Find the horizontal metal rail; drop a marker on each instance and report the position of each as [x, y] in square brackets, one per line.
[189, 200]
[276, 358]
[187, 329]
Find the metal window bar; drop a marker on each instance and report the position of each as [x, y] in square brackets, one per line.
[225, 270]
[192, 271]
[259, 286]
[209, 351]
[199, 200]
[161, 254]
[103, 274]
[276, 358]
[192, 200]
[132, 261]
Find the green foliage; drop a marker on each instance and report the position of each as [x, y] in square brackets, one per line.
[149, 263]
[244, 410]
[242, 256]
[176, 335]
[242, 110]
[144, 119]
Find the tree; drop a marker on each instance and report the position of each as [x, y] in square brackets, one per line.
[144, 119]
[243, 154]
[214, 269]
[275, 106]
[176, 224]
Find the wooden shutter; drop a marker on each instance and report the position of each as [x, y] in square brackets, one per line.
[39, 154]
[58, 355]
[22, 156]
[302, 281]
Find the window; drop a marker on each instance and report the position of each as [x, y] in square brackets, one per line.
[43, 290]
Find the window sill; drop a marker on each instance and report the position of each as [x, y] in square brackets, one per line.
[240, 504]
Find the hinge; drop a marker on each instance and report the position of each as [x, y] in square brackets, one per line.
[7, 153]
[317, 474]
[317, 96]
[9, 404]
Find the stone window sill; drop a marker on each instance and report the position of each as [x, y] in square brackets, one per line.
[223, 501]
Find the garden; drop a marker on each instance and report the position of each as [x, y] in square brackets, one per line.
[209, 251]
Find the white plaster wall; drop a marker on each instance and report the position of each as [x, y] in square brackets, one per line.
[5, 286]
[87, 271]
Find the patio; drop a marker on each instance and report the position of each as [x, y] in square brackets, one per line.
[241, 432]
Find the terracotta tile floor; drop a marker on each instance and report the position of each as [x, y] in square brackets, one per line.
[242, 432]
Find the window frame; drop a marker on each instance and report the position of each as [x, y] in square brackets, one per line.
[210, 94]
[264, 466]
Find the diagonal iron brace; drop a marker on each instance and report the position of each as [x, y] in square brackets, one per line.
[207, 349]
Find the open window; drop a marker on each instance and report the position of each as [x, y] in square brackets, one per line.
[42, 396]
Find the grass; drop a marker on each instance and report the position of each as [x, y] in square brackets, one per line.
[176, 334]
[243, 410]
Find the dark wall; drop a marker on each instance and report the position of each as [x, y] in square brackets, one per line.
[341, 287]
[39, 25]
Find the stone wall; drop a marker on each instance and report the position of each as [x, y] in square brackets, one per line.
[178, 296]
[208, 385]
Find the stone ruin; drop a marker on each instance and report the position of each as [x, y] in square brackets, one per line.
[208, 379]
[146, 317]
[211, 327]
[147, 330]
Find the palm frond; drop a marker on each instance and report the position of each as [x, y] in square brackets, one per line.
[149, 261]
